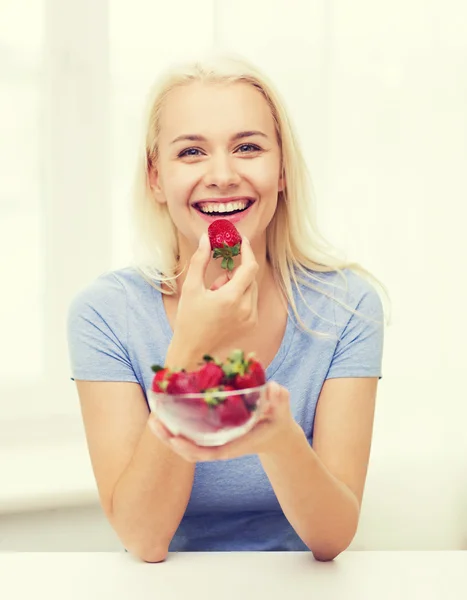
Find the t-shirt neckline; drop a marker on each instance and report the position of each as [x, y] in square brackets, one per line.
[280, 355]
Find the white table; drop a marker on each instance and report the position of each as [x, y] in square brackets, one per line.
[352, 575]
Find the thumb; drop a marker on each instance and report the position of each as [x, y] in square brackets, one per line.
[199, 262]
[274, 395]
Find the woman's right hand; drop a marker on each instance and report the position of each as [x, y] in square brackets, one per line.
[208, 319]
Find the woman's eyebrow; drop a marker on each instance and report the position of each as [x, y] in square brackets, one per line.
[199, 138]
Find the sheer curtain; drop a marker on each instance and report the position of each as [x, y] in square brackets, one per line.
[22, 257]
[73, 81]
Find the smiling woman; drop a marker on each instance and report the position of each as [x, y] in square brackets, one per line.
[218, 143]
[221, 168]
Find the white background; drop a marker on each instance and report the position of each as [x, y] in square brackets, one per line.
[378, 94]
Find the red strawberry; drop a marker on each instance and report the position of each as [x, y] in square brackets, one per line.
[194, 409]
[183, 382]
[254, 376]
[233, 412]
[210, 375]
[225, 242]
[160, 380]
[244, 372]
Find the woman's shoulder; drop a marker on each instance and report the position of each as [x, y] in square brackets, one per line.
[112, 284]
[343, 284]
[97, 328]
[335, 295]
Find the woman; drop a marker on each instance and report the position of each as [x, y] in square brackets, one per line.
[218, 142]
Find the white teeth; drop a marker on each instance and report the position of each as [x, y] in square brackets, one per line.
[214, 207]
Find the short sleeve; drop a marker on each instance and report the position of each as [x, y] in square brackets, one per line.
[359, 352]
[97, 333]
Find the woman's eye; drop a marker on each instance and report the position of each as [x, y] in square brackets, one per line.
[189, 152]
[248, 148]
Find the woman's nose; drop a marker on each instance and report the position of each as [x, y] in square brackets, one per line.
[221, 172]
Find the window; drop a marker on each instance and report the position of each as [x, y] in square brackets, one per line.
[73, 82]
[21, 216]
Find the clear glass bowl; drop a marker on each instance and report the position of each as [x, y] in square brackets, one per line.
[207, 425]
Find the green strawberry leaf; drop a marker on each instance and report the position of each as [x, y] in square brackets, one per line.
[210, 397]
[230, 264]
[228, 369]
[225, 262]
[237, 363]
[236, 250]
[237, 356]
[157, 368]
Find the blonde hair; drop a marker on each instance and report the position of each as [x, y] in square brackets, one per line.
[296, 249]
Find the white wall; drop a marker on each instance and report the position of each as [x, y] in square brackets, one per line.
[378, 94]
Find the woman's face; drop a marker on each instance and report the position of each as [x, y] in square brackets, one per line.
[218, 158]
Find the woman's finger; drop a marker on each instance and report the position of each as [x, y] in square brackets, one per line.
[159, 430]
[272, 399]
[220, 281]
[198, 264]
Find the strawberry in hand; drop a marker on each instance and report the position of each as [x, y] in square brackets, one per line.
[226, 242]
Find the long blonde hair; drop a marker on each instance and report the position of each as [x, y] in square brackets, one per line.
[296, 249]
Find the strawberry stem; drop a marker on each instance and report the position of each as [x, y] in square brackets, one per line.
[227, 253]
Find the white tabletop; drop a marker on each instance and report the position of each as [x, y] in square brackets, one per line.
[352, 575]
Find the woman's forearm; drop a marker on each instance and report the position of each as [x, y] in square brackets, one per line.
[323, 511]
[150, 498]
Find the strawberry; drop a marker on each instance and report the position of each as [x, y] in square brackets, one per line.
[212, 396]
[192, 408]
[226, 242]
[233, 412]
[244, 373]
[210, 375]
[254, 376]
[160, 380]
[251, 400]
[183, 382]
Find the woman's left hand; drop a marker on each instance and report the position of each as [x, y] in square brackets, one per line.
[270, 433]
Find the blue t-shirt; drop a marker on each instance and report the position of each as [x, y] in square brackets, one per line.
[118, 328]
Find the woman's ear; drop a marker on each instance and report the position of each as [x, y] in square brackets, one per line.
[154, 182]
[281, 183]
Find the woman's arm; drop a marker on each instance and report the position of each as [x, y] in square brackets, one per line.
[320, 489]
[144, 486]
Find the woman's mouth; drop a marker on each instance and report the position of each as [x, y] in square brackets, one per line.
[233, 210]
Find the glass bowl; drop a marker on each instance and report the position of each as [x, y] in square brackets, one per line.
[211, 418]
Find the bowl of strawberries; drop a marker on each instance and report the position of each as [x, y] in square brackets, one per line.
[212, 405]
